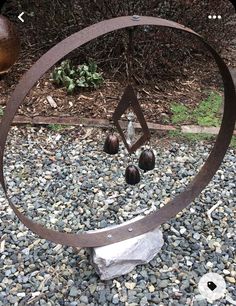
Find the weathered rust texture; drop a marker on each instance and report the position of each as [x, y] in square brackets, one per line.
[129, 100]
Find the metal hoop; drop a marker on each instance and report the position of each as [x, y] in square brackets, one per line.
[109, 236]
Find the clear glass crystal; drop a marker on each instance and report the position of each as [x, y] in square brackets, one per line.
[130, 129]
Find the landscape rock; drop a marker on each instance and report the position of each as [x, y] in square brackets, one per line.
[122, 257]
[51, 274]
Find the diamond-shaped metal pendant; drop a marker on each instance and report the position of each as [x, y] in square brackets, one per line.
[129, 100]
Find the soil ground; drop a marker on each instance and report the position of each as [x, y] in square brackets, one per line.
[101, 103]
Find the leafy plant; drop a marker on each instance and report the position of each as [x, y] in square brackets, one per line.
[89, 77]
[72, 77]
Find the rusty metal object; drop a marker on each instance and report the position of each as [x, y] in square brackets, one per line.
[111, 145]
[132, 175]
[9, 44]
[135, 228]
[129, 100]
[147, 160]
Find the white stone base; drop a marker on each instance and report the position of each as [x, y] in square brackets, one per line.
[122, 257]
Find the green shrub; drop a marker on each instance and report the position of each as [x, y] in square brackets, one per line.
[72, 77]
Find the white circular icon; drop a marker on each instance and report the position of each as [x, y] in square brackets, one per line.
[214, 17]
[212, 286]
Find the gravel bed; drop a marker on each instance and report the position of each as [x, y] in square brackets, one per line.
[65, 181]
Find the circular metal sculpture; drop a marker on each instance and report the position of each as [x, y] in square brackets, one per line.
[9, 44]
[148, 223]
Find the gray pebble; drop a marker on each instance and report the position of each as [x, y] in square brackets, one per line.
[73, 291]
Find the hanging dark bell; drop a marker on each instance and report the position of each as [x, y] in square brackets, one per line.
[147, 160]
[111, 145]
[132, 175]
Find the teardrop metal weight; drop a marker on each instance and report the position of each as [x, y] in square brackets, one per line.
[147, 160]
[132, 175]
[111, 145]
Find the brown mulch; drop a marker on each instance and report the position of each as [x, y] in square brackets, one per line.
[155, 100]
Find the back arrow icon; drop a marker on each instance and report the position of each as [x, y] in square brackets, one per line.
[20, 17]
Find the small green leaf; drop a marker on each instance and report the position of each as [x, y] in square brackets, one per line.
[71, 88]
[96, 76]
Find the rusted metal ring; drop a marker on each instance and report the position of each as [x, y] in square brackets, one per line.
[108, 236]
